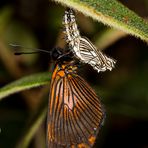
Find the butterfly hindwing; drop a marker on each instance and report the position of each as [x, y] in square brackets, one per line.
[75, 112]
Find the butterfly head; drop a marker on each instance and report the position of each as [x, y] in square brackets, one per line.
[56, 53]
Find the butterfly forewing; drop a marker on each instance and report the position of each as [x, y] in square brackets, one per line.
[75, 112]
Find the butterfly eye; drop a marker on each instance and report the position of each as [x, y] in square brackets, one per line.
[56, 53]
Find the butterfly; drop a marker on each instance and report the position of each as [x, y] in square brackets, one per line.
[75, 113]
[82, 47]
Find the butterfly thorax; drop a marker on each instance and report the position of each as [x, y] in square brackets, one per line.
[65, 69]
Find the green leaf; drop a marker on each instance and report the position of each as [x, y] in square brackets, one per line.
[112, 13]
[25, 83]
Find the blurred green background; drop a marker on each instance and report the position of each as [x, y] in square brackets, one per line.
[123, 91]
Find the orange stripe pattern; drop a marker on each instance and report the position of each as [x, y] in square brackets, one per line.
[75, 112]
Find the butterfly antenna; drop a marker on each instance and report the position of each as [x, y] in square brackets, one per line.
[20, 53]
[37, 50]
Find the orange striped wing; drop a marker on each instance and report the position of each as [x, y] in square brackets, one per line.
[75, 112]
